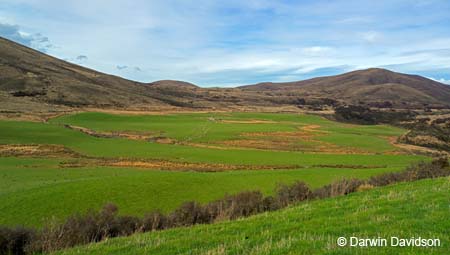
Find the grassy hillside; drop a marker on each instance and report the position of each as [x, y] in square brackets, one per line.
[416, 209]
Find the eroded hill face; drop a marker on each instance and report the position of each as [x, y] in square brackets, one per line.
[31, 81]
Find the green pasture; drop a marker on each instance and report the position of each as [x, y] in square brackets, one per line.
[33, 190]
[365, 137]
[210, 127]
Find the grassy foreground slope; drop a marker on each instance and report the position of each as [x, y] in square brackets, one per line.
[415, 209]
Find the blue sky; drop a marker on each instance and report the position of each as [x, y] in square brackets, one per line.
[229, 43]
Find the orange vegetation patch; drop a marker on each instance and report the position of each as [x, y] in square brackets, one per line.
[303, 139]
[265, 144]
[114, 134]
[47, 150]
[293, 145]
[159, 111]
[248, 121]
[132, 135]
[409, 148]
[313, 129]
[189, 166]
[280, 134]
[173, 166]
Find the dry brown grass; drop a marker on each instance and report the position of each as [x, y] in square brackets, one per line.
[415, 149]
[43, 150]
[172, 165]
[291, 141]
[364, 187]
[132, 135]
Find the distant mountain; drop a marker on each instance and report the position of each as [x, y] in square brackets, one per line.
[33, 81]
[370, 85]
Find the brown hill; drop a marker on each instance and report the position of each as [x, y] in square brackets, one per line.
[32, 81]
[32, 77]
[370, 85]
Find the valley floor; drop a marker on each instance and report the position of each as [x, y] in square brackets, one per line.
[77, 162]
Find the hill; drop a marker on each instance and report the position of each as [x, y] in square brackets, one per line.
[370, 85]
[30, 78]
[32, 81]
[401, 211]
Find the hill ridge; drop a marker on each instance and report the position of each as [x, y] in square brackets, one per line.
[33, 81]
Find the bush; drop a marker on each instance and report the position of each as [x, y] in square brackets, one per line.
[244, 204]
[154, 221]
[270, 204]
[342, 187]
[441, 162]
[83, 229]
[235, 206]
[127, 225]
[15, 240]
[364, 187]
[189, 213]
[387, 178]
[297, 192]
[415, 172]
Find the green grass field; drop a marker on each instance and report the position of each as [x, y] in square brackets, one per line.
[406, 210]
[34, 188]
[34, 192]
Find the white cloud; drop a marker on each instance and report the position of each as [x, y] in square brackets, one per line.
[441, 80]
[316, 50]
[371, 36]
[230, 42]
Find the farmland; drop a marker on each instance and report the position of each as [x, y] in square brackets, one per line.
[76, 162]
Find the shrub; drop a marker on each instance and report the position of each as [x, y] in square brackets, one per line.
[189, 213]
[15, 240]
[154, 221]
[83, 229]
[338, 188]
[441, 162]
[364, 187]
[244, 204]
[387, 178]
[127, 225]
[415, 172]
[269, 203]
[235, 206]
[297, 192]
[425, 170]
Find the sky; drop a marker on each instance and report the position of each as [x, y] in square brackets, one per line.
[229, 43]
